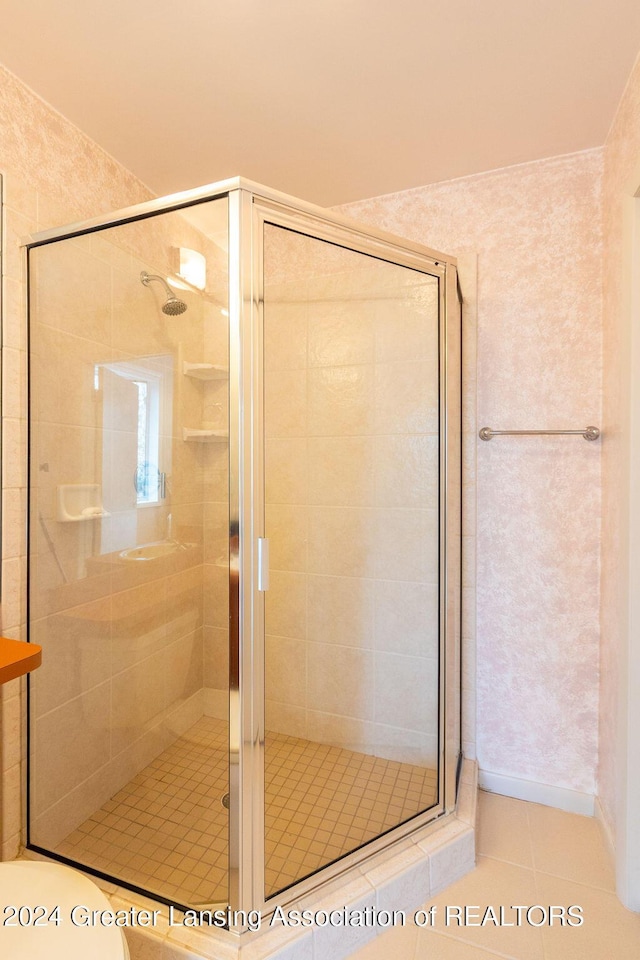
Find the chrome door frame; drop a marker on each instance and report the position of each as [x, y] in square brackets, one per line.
[249, 304]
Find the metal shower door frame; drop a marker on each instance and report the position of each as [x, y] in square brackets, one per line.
[250, 208]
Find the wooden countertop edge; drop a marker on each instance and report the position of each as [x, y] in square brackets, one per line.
[17, 658]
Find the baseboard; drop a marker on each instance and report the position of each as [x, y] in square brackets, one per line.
[571, 800]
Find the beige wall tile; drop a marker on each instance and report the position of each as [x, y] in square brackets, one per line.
[286, 470]
[14, 327]
[286, 605]
[216, 658]
[11, 800]
[183, 667]
[406, 692]
[216, 596]
[406, 397]
[286, 526]
[340, 332]
[340, 610]
[405, 746]
[406, 471]
[286, 404]
[406, 327]
[341, 401]
[184, 607]
[14, 382]
[340, 680]
[286, 718]
[406, 618]
[138, 624]
[406, 544]
[341, 541]
[14, 447]
[17, 227]
[216, 530]
[72, 742]
[285, 333]
[340, 731]
[13, 597]
[82, 303]
[76, 654]
[11, 731]
[341, 471]
[138, 698]
[286, 671]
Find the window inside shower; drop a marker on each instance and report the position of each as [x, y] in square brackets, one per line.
[237, 570]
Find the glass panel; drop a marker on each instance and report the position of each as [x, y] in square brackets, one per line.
[352, 613]
[128, 573]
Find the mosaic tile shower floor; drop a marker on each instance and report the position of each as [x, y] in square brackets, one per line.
[166, 830]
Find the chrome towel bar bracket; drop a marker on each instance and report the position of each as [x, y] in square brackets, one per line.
[589, 433]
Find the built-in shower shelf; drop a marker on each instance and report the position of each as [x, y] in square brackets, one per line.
[191, 435]
[78, 502]
[204, 371]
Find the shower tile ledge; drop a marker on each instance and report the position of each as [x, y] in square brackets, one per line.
[405, 878]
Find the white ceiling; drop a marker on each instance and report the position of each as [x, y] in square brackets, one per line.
[330, 100]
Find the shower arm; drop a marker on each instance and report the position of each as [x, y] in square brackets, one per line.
[146, 278]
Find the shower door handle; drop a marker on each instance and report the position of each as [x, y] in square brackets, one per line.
[263, 564]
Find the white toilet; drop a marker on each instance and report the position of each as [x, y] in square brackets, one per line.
[47, 913]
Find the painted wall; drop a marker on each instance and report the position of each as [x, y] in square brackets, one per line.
[619, 787]
[536, 231]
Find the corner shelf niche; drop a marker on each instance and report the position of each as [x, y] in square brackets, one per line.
[204, 371]
[193, 435]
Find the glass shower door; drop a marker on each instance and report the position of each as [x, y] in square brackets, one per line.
[129, 553]
[352, 616]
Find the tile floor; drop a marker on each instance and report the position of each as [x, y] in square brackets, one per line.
[166, 830]
[527, 854]
[322, 801]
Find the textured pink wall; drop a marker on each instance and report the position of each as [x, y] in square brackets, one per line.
[536, 231]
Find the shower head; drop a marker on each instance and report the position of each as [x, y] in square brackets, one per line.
[173, 307]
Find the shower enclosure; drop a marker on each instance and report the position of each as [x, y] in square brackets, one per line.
[244, 544]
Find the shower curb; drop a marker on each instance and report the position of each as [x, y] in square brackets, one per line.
[403, 878]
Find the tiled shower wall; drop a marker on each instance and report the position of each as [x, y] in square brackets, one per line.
[351, 368]
[122, 639]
